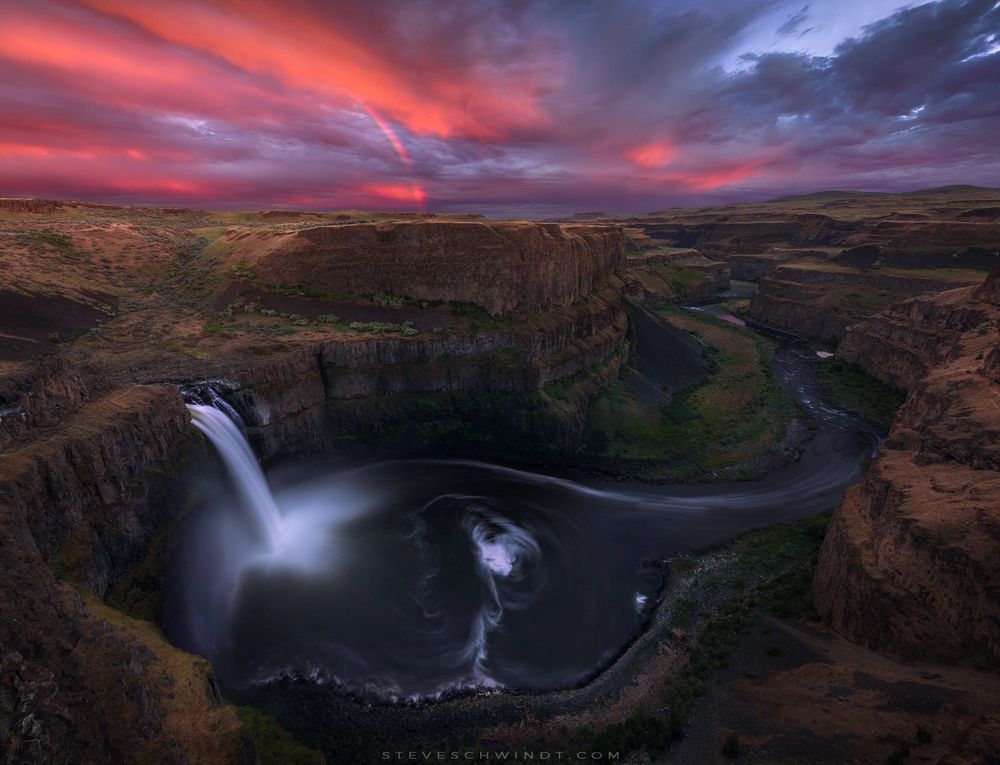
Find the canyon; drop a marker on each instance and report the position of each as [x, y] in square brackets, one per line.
[355, 336]
[825, 261]
[96, 439]
[911, 561]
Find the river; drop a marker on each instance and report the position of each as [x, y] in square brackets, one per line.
[417, 579]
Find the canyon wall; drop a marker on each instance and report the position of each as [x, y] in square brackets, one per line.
[93, 448]
[903, 343]
[450, 389]
[503, 267]
[822, 300]
[681, 275]
[912, 559]
[796, 306]
[726, 234]
[944, 233]
[86, 485]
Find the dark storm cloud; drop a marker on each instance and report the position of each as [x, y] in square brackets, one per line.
[635, 104]
[793, 24]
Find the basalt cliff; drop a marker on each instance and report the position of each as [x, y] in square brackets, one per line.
[826, 261]
[911, 563]
[358, 335]
[406, 335]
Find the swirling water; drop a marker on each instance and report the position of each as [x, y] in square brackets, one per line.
[413, 579]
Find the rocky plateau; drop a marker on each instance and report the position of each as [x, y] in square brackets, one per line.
[357, 334]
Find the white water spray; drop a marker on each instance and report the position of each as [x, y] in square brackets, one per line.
[243, 468]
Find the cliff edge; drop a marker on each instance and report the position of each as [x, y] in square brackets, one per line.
[503, 267]
[911, 563]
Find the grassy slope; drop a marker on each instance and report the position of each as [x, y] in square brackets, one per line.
[673, 281]
[849, 387]
[768, 570]
[728, 422]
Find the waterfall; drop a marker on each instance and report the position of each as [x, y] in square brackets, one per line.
[243, 468]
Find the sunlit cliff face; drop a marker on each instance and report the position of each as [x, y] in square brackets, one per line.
[502, 106]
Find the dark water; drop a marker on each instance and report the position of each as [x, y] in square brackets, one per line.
[412, 579]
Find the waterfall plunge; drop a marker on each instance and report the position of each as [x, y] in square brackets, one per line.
[244, 470]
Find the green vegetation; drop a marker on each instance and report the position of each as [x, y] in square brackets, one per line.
[860, 302]
[300, 290]
[680, 282]
[243, 271]
[476, 318]
[719, 427]
[731, 746]
[780, 561]
[640, 731]
[385, 299]
[275, 745]
[848, 386]
[957, 275]
[49, 238]
[383, 328]
[661, 250]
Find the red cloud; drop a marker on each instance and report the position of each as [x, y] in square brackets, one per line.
[460, 104]
[271, 40]
[650, 155]
[396, 192]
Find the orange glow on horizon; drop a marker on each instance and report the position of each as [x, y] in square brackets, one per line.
[651, 155]
[321, 104]
[397, 192]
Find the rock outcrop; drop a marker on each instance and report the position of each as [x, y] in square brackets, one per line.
[796, 307]
[684, 275]
[91, 448]
[822, 300]
[349, 393]
[724, 234]
[902, 344]
[86, 483]
[911, 562]
[503, 267]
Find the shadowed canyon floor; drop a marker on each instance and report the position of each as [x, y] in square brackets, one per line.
[596, 364]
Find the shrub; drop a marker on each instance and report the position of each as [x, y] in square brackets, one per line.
[384, 298]
[731, 746]
[384, 328]
[242, 270]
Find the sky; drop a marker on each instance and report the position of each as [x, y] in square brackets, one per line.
[505, 107]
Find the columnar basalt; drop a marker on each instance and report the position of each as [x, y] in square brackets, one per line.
[91, 446]
[822, 300]
[503, 267]
[911, 559]
[86, 484]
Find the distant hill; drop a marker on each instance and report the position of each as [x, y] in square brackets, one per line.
[937, 191]
[832, 194]
[941, 191]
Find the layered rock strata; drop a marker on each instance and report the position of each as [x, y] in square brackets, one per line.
[911, 562]
[86, 484]
[362, 391]
[821, 301]
[91, 451]
[503, 267]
